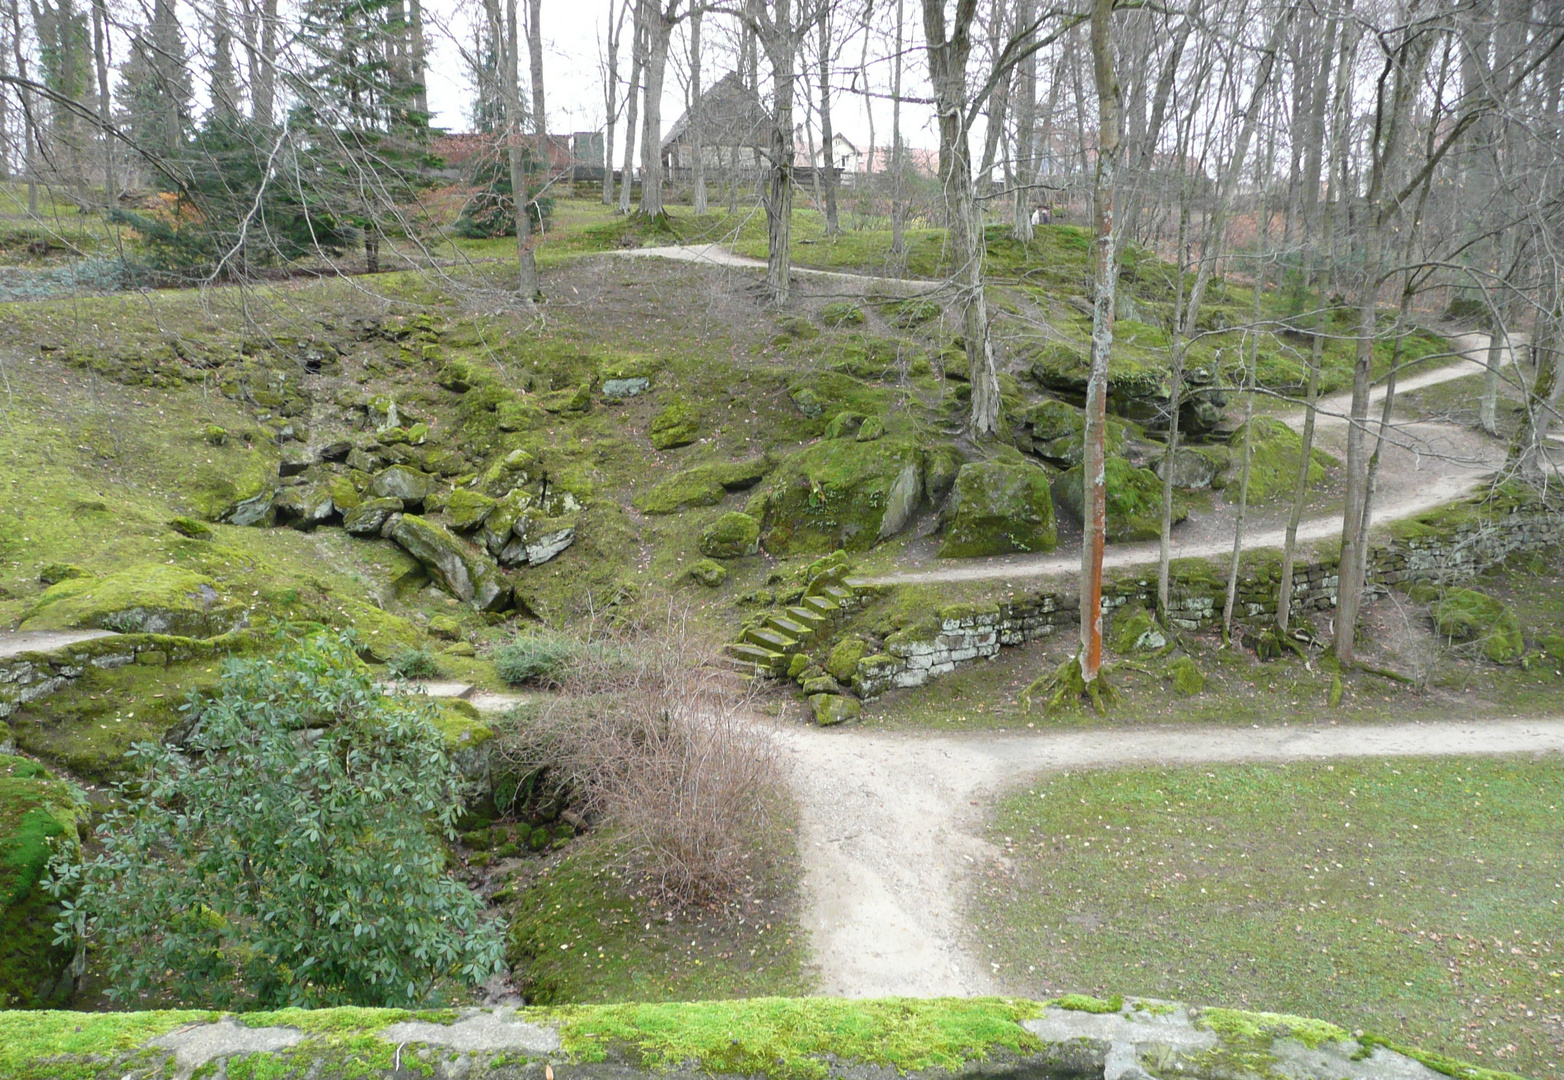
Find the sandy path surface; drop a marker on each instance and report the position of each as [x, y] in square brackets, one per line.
[891, 824]
[718, 255]
[20, 641]
[1425, 465]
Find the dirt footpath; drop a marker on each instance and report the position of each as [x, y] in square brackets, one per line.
[891, 824]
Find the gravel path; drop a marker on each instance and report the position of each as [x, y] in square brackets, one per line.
[891, 824]
[13, 643]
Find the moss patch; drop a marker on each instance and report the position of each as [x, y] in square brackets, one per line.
[155, 598]
[38, 816]
[1273, 464]
[998, 507]
[1468, 615]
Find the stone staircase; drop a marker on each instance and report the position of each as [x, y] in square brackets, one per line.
[768, 647]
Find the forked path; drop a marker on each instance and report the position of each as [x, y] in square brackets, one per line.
[891, 825]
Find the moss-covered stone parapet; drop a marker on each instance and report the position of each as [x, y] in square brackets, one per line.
[777, 1038]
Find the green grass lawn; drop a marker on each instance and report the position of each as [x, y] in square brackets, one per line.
[1419, 900]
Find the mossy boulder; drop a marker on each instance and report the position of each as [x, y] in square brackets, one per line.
[707, 572]
[235, 474]
[1274, 456]
[842, 664]
[403, 482]
[730, 536]
[841, 494]
[1188, 679]
[703, 485]
[1196, 467]
[1468, 615]
[467, 509]
[370, 516]
[676, 425]
[148, 598]
[844, 425]
[1057, 432]
[38, 817]
[1136, 631]
[465, 571]
[1134, 500]
[998, 507]
[832, 709]
[381, 635]
[824, 394]
[842, 314]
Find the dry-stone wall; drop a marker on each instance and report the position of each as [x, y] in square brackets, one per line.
[1420, 552]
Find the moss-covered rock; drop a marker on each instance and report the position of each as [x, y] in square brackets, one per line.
[677, 424]
[38, 817]
[150, 598]
[839, 493]
[999, 507]
[1274, 456]
[467, 509]
[842, 664]
[707, 572]
[831, 709]
[1136, 631]
[381, 635]
[842, 314]
[730, 536]
[823, 394]
[403, 482]
[463, 570]
[370, 516]
[1468, 615]
[1134, 500]
[1188, 679]
[703, 485]
[844, 425]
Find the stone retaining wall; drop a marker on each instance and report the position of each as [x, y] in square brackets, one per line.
[29, 676]
[1419, 551]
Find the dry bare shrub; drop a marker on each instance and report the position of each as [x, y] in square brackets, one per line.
[651, 738]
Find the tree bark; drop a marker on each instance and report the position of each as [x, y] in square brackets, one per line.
[697, 134]
[100, 47]
[659, 30]
[780, 40]
[632, 101]
[1104, 293]
[898, 192]
[419, 75]
[611, 99]
[1026, 134]
[535, 58]
[504, 27]
[949, 48]
[827, 136]
[263, 97]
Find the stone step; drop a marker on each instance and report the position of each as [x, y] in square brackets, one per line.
[767, 638]
[791, 627]
[823, 606]
[807, 617]
[840, 593]
[749, 657]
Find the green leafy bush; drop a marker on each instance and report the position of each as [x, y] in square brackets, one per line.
[288, 853]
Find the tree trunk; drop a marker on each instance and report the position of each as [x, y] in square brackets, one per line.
[1231, 597]
[504, 27]
[611, 100]
[1408, 61]
[659, 29]
[898, 194]
[632, 101]
[1339, 114]
[948, 51]
[827, 136]
[100, 47]
[781, 44]
[535, 57]
[1178, 348]
[697, 135]
[263, 96]
[29, 115]
[1105, 286]
[415, 18]
[1026, 133]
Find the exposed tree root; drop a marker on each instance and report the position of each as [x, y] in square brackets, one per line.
[1067, 688]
